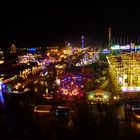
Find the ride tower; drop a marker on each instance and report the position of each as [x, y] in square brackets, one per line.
[83, 45]
[109, 37]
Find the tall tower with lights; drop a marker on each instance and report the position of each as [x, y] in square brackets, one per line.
[82, 37]
[109, 37]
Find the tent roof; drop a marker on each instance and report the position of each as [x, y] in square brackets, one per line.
[98, 91]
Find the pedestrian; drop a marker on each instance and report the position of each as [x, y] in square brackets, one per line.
[70, 124]
[70, 120]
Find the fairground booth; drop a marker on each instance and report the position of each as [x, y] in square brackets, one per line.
[96, 96]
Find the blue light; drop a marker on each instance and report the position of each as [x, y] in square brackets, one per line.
[65, 79]
[69, 78]
[65, 114]
[3, 86]
[31, 49]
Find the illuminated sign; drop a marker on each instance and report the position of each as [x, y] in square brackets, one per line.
[118, 47]
[131, 89]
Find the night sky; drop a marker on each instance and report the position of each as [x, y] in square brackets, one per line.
[53, 23]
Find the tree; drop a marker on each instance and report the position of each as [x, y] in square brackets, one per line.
[89, 85]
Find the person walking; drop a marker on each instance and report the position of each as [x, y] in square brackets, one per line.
[70, 120]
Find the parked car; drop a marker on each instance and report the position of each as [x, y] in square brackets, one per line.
[65, 116]
[136, 113]
[63, 111]
[129, 105]
[43, 110]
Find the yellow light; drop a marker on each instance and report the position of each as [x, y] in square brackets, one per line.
[115, 97]
[90, 97]
[138, 125]
[137, 116]
[105, 96]
[1, 61]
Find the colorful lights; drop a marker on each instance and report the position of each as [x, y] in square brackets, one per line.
[131, 89]
[1, 85]
[71, 86]
[31, 49]
[119, 47]
[105, 51]
[10, 79]
[124, 47]
[124, 71]
[1, 96]
[98, 95]
[70, 91]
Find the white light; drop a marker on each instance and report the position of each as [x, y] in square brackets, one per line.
[58, 82]
[120, 79]
[115, 97]
[105, 96]
[125, 76]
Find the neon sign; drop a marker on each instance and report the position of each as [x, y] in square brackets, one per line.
[131, 89]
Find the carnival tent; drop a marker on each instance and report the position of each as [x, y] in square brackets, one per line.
[98, 95]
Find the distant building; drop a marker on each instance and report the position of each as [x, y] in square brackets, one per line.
[13, 49]
[52, 48]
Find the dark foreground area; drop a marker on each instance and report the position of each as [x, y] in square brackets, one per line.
[92, 122]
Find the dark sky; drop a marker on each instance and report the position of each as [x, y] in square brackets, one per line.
[54, 22]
